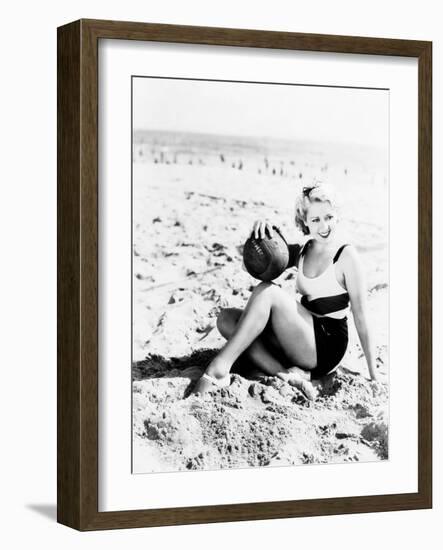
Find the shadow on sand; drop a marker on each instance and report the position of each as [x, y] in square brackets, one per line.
[188, 366]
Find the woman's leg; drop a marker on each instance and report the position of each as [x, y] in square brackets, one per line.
[265, 351]
[291, 325]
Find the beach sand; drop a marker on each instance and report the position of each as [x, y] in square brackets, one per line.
[195, 199]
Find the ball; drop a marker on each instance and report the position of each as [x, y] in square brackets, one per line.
[266, 259]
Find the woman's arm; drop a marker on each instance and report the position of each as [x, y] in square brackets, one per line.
[356, 286]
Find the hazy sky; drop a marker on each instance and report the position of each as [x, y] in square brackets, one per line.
[280, 111]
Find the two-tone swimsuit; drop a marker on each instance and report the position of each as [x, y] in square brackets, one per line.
[328, 302]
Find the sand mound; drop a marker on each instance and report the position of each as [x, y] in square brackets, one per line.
[259, 421]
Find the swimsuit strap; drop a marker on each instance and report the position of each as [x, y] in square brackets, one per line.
[338, 253]
[305, 248]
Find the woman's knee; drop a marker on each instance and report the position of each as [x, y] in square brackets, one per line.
[267, 289]
[277, 298]
[227, 320]
[264, 286]
[271, 290]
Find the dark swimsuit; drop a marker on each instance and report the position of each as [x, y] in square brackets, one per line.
[331, 341]
[331, 334]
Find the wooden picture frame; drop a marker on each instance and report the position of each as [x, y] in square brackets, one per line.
[77, 455]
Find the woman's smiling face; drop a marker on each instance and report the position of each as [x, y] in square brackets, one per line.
[321, 220]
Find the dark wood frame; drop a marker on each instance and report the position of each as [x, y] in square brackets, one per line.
[77, 406]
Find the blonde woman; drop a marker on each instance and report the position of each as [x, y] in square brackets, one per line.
[300, 340]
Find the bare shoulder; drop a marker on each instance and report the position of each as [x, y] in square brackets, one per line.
[350, 254]
[349, 261]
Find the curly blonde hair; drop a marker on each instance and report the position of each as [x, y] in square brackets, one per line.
[317, 192]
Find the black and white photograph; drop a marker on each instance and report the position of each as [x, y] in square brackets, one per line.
[260, 274]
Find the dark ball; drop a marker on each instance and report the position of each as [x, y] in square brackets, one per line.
[267, 258]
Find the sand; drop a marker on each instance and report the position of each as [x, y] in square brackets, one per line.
[194, 201]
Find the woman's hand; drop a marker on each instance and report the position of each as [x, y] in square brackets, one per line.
[260, 228]
[379, 386]
[380, 377]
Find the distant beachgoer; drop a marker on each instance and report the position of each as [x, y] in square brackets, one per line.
[300, 340]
